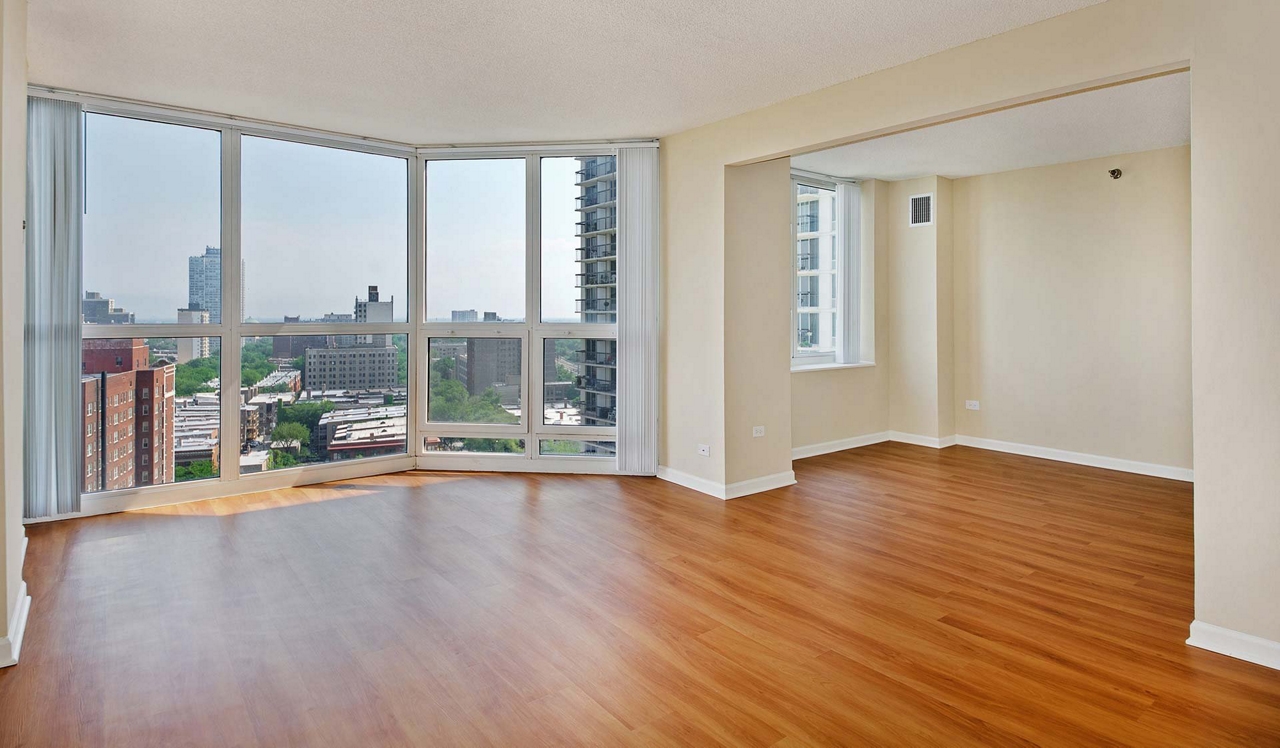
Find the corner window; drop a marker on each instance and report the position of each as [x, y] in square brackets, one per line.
[824, 272]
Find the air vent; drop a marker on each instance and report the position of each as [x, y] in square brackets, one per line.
[921, 210]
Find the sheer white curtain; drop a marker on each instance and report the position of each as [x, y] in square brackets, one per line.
[638, 275]
[52, 355]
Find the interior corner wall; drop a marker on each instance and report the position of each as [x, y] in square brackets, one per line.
[914, 314]
[1235, 315]
[757, 314]
[13, 207]
[830, 406]
[1073, 307]
[944, 227]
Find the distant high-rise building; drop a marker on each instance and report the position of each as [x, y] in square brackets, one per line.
[464, 315]
[598, 287]
[204, 283]
[491, 317]
[95, 310]
[192, 348]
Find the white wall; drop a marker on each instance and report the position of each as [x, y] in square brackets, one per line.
[1073, 307]
[1235, 315]
[13, 169]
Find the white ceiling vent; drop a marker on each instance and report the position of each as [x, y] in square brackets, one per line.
[922, 209]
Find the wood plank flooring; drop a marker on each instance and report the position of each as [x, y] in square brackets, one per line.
[896, 596]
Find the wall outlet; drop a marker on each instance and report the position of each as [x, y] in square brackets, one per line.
[757, 430]
[971, 404]
[704, 450]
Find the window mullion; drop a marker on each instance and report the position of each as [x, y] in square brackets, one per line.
[232, 304]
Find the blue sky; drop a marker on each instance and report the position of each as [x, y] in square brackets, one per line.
[319, 225]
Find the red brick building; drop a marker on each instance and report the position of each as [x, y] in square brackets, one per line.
[128, 415]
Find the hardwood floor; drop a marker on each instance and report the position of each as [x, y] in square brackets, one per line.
[896, 596]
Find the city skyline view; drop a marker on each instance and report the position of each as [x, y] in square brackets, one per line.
[153, 195]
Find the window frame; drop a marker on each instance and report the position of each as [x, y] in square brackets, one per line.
[846, 241]
[230, 481]
[533, 331]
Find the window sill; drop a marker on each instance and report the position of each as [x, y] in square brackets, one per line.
[797, 368]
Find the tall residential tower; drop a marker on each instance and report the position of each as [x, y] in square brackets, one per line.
[598, 286]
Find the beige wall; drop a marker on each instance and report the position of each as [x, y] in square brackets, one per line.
[757, 313]
[691, 406]
[1112, 39]
[1235, 315]
[1073, 307]
[913, 313]
[13, 170]
[831, 405]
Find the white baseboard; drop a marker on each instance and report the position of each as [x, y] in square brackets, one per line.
[727, 491]
[11, 645]
[759, 485]
[922, 441]
[1079, 458]
[1235, 644]
[839, 445]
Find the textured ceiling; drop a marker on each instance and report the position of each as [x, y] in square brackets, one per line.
[473, 71]
[1135, 117]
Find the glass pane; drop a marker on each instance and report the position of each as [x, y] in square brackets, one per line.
[476, 240]
[150, 411]
[573, 448]
[474, 380]
[817, 290]
[579, 381]
[479, 445]
[152, 215]
[325, 234]
[579, 239]
[322, 398]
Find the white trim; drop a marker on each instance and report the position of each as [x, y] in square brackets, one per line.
[728, 491]
[799, 368]
[480, 462]
[839, 445]
[759, 485]
[1080, 458]
[811, 176]
[922, 441]
[701, 485]
[1235, 644]
[11, 645]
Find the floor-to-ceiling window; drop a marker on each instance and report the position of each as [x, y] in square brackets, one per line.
[258, 302]
[521, 308]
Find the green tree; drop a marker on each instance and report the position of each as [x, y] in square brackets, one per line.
[291, 433]
[306, 413]
[280, 459]
[190, 377]
[195, 471]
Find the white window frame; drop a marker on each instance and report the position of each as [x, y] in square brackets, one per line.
[533, 332]
[229, 482]
[231, 329]
[846, 277]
